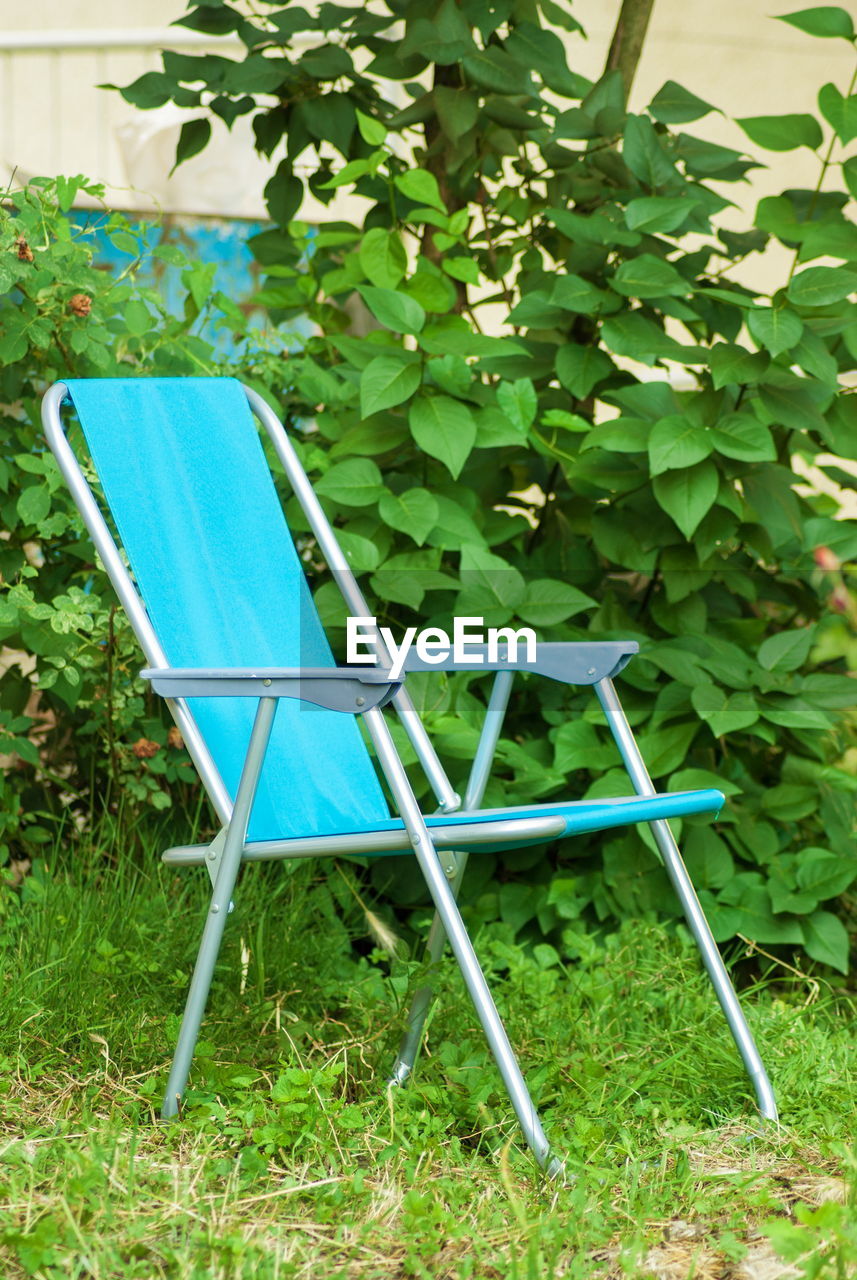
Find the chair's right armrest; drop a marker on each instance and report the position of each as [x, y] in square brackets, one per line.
[349, 689]
[572, 662]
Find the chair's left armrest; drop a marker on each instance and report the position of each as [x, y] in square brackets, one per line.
[572, 662]
[350, 689]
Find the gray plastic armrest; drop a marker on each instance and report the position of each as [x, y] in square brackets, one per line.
[572, 662]
[351, 689]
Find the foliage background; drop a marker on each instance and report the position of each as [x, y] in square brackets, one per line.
[617, 462]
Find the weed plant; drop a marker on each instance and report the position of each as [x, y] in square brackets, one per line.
[291, 1158]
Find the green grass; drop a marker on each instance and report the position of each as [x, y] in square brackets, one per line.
[291, 1158]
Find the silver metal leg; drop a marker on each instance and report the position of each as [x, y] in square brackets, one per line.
[436, 941]
[236, 834]
[683, 886]
[453, 925]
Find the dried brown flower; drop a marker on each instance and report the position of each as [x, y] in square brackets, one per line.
[145, 748]
[826, 559]
[23, 250]
[174, 738]
[80, 304]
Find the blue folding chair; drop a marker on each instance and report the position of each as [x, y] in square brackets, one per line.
[218, 600]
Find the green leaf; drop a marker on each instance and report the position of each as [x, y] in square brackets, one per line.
[491, 588]
[573, 293]
[455, 528]
[457, 110]
[462, 268]
[542, 51]
[420, 186]
[495, 431]
[444, 38]
[658, 214]
[821, 286]
[582, 368]
[674, 104]
[619, 435]
[752, 914]
[383, 257]
[707, 855]
[645, 156]
[152, 89]
[386, 382]
[675, 442]
[372, 131]
[849, 173]
[356, 482]
[789, 803]
[787, 650]
[549, 601]
[664, 749]
[775, 329]
[649, 277]
[565, 421]
[444, 429]
[630, 333]
[826, 939]
[452, 374]
[361, 553]
[824, 874]
[199, 281]
[724, 714]
[494, 69]
[395, 310]
[789, 399]
[536, 311]
[433, 292]
[796, 713]
[33, 503]
[414, 512]
[688, 496]
[826, 21]
[577, 746]
[744, 437]
[193, 138]
[699, 779]
[733, 364]
[778, 216]
[519, 403]
[783, 133]
[839, 112]
[137, 317]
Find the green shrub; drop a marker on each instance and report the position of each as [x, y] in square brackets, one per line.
[81, 728]
[618, 462]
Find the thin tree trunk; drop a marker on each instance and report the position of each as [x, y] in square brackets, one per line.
[627, 43]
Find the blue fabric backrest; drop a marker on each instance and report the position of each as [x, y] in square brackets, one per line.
[182, 469]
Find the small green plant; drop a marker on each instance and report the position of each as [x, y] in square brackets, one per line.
[560, 405]
[80, 728]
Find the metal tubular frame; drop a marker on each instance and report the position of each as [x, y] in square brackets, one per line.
[218, 910]
[436, 940]
[681, 882]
